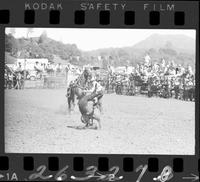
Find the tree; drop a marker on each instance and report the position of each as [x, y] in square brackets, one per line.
[104, 63]
[11, 44]
[168, 51]
[43, 37]
[29, 31]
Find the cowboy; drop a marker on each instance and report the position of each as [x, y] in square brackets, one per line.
[95, 87]
[37, 68]
[87, 73]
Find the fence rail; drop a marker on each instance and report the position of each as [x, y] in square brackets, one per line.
[50, 82]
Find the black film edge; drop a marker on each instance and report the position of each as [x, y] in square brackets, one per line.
[136, 65]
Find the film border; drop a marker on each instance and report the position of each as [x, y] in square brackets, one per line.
[15, 161]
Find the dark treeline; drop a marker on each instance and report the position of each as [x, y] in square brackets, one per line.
[39, 47]
[55, 51]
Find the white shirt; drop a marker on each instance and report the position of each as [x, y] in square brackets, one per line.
[96, 86]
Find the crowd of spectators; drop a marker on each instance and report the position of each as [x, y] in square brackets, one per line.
[164, 79]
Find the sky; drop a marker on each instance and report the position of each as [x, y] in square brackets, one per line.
[91, 39]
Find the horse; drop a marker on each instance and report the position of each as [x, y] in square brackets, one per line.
[85, 102]
[87, 108]
[72, 91]
[75, 89]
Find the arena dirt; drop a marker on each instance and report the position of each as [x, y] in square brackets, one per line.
[37, 121]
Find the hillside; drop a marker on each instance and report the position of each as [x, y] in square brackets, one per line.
[179, 48]
[180, 43]
[40, 47]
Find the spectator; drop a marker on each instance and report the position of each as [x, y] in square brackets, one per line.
[37, 68]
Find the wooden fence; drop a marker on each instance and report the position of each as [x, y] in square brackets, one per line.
[49, 82]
